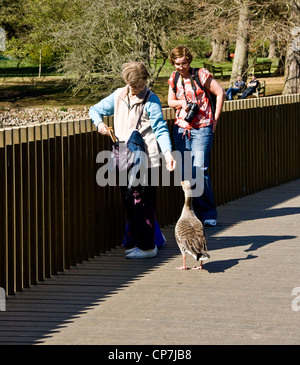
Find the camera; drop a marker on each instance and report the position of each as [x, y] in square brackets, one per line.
[193, 111]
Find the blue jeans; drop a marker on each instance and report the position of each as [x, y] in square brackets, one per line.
[231, 92]
[199, 140]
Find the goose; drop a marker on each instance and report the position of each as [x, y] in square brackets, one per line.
[189, 232]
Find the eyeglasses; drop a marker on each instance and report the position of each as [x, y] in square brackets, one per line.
[181, 64]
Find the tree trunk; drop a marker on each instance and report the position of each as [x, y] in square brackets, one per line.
[272, 49]
[219, 50]
[280, 68]
[240, 62]
[2, 39]
[40, 63]
[292, 63]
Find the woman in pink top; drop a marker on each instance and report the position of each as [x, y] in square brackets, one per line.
[191, 93]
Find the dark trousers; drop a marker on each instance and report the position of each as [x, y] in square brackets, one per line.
[140, 207]
[247, 92]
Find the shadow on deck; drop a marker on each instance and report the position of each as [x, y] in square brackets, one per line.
[40, 312]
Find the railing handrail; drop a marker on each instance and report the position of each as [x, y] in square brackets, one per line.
[260, 102]
[169, 113]
[54, 215]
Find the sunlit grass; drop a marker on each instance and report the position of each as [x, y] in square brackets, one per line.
[24, 80]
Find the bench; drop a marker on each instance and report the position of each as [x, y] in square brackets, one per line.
[261, 67]
[214, 69]
[260, 91]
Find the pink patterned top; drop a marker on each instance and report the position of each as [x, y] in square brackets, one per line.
[205, 115]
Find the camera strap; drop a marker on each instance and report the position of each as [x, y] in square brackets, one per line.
[193, 87]
[195, 77]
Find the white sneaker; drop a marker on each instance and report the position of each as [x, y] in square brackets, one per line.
[130, 250]
[210, 222]
[142, 254]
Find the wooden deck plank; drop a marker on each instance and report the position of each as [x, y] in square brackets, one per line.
[243, 295]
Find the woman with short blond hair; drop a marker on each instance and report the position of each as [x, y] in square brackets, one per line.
[125, 104]
[133, 72]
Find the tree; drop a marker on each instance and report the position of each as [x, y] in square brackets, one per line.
[152, 22]
[209, 19]
[11, 17]
[240, 63]
[220, 48]
[247, 25]
[292, 65]
[271, 22]
[44, 17]
[2, 39]
[12, 21]
[273, 48]
[104, 34]
[28, 26]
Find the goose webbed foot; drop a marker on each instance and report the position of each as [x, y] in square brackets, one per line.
[200, 267]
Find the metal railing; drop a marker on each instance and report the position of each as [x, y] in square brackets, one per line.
[256, 146]
[53, 214]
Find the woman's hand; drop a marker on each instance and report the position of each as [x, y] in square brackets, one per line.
[184, 106]
[214, 127]
[102, 128]
[170, 162]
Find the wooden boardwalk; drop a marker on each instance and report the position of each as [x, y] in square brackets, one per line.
[243, 296]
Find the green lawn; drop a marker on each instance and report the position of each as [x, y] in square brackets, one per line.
[21, 83]
[9, 68]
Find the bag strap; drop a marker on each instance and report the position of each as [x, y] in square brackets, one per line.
[142, 109]
[140, 116]
[194, 89]
[195, 76]
[176, 77]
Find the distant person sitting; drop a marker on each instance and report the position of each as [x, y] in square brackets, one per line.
[251, 87]
[237, 88]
